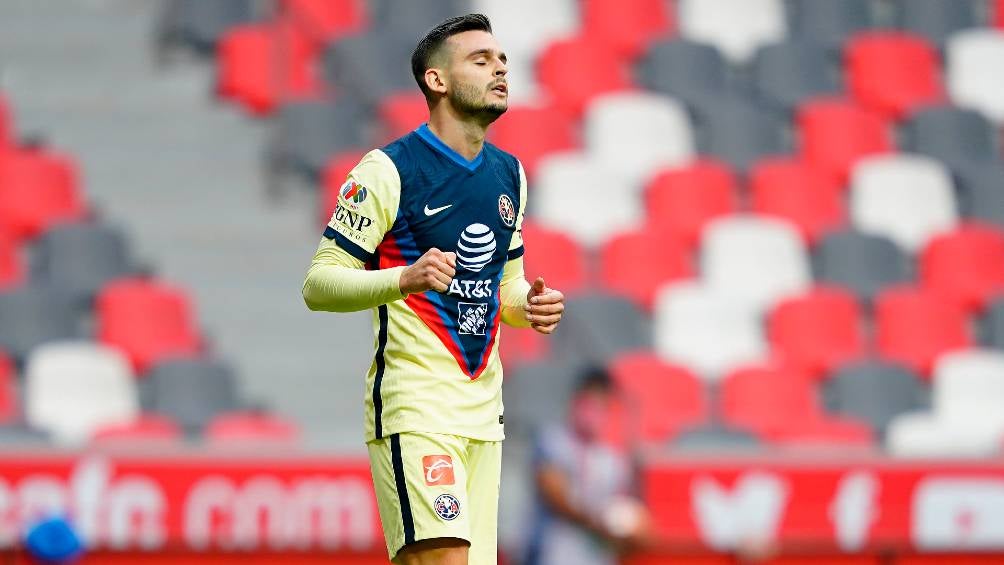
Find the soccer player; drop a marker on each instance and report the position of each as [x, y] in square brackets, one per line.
[427, 232]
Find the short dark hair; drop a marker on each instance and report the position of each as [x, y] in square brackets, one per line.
[433, 41]
[594, 378]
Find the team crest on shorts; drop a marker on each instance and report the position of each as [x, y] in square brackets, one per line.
[507, 211]
[447, 507]
[473, 318]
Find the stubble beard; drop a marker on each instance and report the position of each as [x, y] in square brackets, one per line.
[470, 100]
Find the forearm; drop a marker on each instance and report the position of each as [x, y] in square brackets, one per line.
[336, 282]
[513, 292]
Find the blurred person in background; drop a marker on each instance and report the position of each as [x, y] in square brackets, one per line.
[586, 512]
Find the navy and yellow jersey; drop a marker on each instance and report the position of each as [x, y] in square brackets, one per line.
[436, 368]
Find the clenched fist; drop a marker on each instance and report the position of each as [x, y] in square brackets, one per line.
[432, 271]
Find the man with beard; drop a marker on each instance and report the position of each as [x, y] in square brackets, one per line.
[427, 233]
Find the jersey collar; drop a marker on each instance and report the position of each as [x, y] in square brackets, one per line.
[425, 133]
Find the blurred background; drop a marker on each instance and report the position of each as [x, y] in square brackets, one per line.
[779, 225]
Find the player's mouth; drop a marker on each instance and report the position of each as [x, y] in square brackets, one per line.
[501, 88]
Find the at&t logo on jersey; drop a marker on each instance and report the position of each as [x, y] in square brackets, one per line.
[447, 507]
[438, 470]
[353, 193]
[475, 247]
[473, 318]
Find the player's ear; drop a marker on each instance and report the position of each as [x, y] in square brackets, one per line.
[435, 80]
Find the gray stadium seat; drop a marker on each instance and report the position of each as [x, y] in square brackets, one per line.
[827, 22]
[937, 19]
[683, 69]
[370, 67]
[714, 437]
[875, 392]
[309, 133]
[191, 391]
[785, 74]
[598, 327]
[413, 18]
[956, 136]
[863, 263]
[737, 131]
[80, 258]
[982, 192]
[993, 324]
[20, 435]
[198, 24]
[537, 395]
[34, 315]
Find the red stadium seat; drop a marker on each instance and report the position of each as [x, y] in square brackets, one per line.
[829, 430]
[636, 264]
[836, 133]
[9, 409]
[148, 320]
[684, 199]
[251, 428]
[965, 266]
[402, 113]
[11, 267]
[998, 14]
[146, 428]
[662, 399]
[335, 173]
[626, 27]
[817, 331]
[893, 72]
[914, 326]
[532, 133]
[798, 192]
[522, 347]
[555, 256]
[768, 400]
[574, 71]
[326, 20]
[38, 188]
[261, 65]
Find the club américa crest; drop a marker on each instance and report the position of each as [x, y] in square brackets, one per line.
[447, 507]
[507, 211]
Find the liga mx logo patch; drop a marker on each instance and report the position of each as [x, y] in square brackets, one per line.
[353, 193]
[473, 318]
[447, 507]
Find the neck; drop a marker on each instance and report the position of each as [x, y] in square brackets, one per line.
[463, 134]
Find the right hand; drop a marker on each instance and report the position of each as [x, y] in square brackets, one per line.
[432, 271]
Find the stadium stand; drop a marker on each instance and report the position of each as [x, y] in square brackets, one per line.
[830, 23]
[533, 133]
[864, 263]
[251, 429]
[554, 254]
[662, 399]
[982, 192]
[682, 200]
[197, 25]
[786, 74]
[965, 266]
[876, 392]
[145, 429]
[38, 188]
[739, 131]
[835, 133]
[626, 28]
[937, 20]
[792, 190]
[10, 408]
[191, 391]
[915, 326]
[957, 137]
[79, 258]
[992, 327]
[31, 315]
[637, 263]
[893, 72]
[686, 70]
[562, 65]
[818, 331]
[971, 57]
[626, 328]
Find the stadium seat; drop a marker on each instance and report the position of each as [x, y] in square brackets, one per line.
[74, 387]
[624, 328]
[520, 348]
[563, 64]
[769, 400]
[684, 199]
[637, 263]
[982, 192]
[144, 430]
[10, 409]
[935, 19]
[23, 436]
[715, 438]
[626, 27]
[966, 419]
[554, 255]
[634, 134]
[973, 58]
[875, 392]
[738, 131]
[310, 133]
[830, 23]
[997, 12]
[80, 258]
[914, 326]
[907, 198]
[707, 333]
[662, 399]
[965, 266]
[369, 67]
[957, 137]
[864, 263]
[6, 124]
[325, 20]
[413, 18]
[685, 70]
[335, 174]
[536, 395]
[793, 190]
[197, 24]
[893, 72]
[38, 188]
[401, 114]
[531, 133]
[992, 324]
[149, 320]
[786, 74]
[817, 331]
[569, 187]
[754, 259]
[524, 37]
[33, 315]
[736, 27]
[835, 133]
[192, 391]
[11, 264]
[251, 429]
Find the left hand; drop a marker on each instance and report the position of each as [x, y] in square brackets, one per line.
[544, 307]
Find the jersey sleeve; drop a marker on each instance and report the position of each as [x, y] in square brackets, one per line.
[515, 287]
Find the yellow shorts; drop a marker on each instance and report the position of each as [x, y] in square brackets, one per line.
[438, 486]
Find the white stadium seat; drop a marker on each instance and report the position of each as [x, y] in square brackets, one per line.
[756, 260]
[907, 198]
[74, 387]
[709, 333]
[966, 420]
[736, 27]
[635, 134]
[974, 76]
[579, 196]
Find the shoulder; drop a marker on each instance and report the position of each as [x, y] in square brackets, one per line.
[404, 152]
[506, 164]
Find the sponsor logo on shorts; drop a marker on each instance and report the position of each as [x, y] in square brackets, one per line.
[507, 211]
[473, 318]
[447, 507]
[438, 470]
